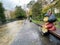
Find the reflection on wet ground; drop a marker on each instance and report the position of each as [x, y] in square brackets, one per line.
[8, 31]
[29, 35]
[24, 33]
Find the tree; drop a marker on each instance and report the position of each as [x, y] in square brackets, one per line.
[12, 14]
[2, 16]
[30, 4]
[36, 11]
[20, 13]
[49, 6]
[57, 5]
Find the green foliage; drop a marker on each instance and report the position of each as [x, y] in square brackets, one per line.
[2, 16]
[49, 6]
[58, 4]
[30, 4]
[57, 15]
[36, 11]
[20, 13]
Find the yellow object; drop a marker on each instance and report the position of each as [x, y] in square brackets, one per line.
[44, 30]
[45, 19]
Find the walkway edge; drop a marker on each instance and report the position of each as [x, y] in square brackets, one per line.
[51, 32]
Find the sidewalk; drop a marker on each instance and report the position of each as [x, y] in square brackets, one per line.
[56, 33]
[9, 31]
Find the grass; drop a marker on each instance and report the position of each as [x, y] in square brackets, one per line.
[57, 25]
[41, 22]
[36, 21]
[58, 19]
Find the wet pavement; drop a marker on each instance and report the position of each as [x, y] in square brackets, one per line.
[9, 31]
[30, 35]
[24, 33]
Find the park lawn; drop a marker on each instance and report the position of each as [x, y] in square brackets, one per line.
[57, 25]
[37, 21]
[41, 22]
[58, 19]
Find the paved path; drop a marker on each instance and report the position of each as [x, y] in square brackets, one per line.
[29, 35]
[9, 31]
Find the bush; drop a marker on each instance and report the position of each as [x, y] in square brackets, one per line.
[57, 15]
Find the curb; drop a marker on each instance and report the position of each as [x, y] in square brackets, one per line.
[54, 33]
